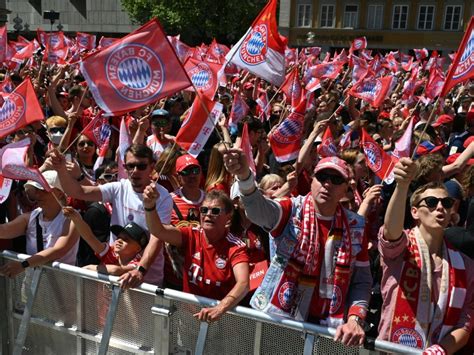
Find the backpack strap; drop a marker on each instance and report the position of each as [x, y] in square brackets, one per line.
[39, 236]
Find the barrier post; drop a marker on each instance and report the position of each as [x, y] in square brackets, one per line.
[201, 340]
[4, 333]
[257, 343]
[161, 325]
[79, 314]
[109, 323]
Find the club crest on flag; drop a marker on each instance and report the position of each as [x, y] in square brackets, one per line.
[288, 131]
[372, 153]
[254, 47]
[467, 59]
[295, 90]
[129, 72]
[358, 43]
[83, 41]
[201, 76]
[370, 89]
[11, 111]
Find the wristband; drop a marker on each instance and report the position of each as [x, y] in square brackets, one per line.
[81, 177]
[141, 270]
[151, 209]
[25, 264]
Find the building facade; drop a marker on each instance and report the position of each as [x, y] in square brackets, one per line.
[388, 25]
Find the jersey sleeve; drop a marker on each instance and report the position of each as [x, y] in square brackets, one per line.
[239, 255]
[286, 207]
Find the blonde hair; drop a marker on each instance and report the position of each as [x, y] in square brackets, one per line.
[216, 172]
[56, 121]
[268, 180]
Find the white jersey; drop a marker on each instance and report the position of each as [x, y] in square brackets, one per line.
[127, 206]
[52, 230]
[156, 146]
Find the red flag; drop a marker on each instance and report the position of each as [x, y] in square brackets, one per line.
[327, 148]
[358, 44]
[137, 70]
[377, 160]
[435, 83]
[85, 41]
[360, 68]
[421, 54]
[406, 61]
[329, 70]
[183, 51]
[247, 148]
[291, 56]
[372, 90]
[25, 53]
[409, 86]
[198, 125]
[239, 109]
[203, 75]
[105, 42]
[263, 108]
[56, 55]
[391, 63]
[3, 44]
[285, 140]
[403, 145]
[53, 40]
[216, 52]
[462, 68]
[5, 187]
[21, 107]
[292, 87]
[12, 164]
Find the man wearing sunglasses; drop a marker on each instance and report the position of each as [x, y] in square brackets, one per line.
[126, 198]
[160, 126]
[321, 269]
[427, 287]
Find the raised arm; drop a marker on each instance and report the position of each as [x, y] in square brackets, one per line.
[305, 150]
[15, 228]
[84, 230]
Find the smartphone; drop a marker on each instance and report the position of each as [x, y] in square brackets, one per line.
[68, 157]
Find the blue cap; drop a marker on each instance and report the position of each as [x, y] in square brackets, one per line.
[159, 112]
[454, 189]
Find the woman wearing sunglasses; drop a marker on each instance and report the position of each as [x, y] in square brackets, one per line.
[216, 264]
[427, 287]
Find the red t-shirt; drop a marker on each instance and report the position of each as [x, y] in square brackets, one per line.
[109, 257]
[208, 268]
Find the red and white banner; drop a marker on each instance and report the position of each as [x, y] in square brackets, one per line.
[372, 90]
[135, 71]
[203, 75]
[198, 125]
[292, 87]
[239, 109]
[327, 148]
[378, 161]
[261, 50]
[85, 41]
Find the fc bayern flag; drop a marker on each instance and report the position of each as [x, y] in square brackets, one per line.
[435, 83]
[372, 90]
[239, 109]
[5, 187]
[3, 44]
[12, 164]
[85, 41]
[358, 44]
[285, 140]
[327, 148]
[261, 50]
[198, 124]
[105, 42]
[462, 68]
[21, 107]
[378, 161]
[292, 87]
[329, 70]
[135, 71]
[203, 75]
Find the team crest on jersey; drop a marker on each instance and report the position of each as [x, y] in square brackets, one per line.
[336, 300]
[201, 76]
[467, 59]
[11, 111]
[221, 263]
[254, 47]
[289, 130]
[135, 72]
[408, 337]
[374, 159]
[286, 294]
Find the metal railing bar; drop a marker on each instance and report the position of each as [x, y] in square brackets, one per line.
[109, 324]
[201, 340]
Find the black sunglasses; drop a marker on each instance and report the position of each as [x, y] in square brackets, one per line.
[215, 211]
[322, 177]
[84, 143]
[190, 171]
[139, 166]
[57, 130]
[432, 202]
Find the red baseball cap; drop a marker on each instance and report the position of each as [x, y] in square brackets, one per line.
[333, 163]
[184, 161]
[443, 119]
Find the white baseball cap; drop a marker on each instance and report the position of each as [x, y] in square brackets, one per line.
[51, 177]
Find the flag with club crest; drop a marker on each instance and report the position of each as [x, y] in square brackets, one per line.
[420, 54]
[24, 53]
[261, 50]
[57, 55]
[291, 56]
[360, 68]
[247, 148]
[292, 87]
[198, 124]
[462, 68]
[403, 145]
[239, 109]
[263, 105]
[372, 90]
[105, 42]
[285, 140]
[377, 160]
[203, 75]
[216, 52]
[435, 83]
[390, 63]
[329, 70]
[53, 40]
[358, 44]
[406, 61]
[409, 86]
[20, 108]
[135, 71]
[327, 147]
[183, 51]
[6, 85]
[98, 130]
[85, 41]
[13, 166]
[3, 44]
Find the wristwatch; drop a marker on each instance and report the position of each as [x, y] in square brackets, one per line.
[25, 264]
[141, 269]
[359, 321]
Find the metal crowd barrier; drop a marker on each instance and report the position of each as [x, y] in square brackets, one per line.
[62, 309]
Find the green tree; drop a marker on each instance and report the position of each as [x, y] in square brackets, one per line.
[198, 20]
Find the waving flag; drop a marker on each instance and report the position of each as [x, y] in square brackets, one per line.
[137, 70]
[105, 42]
[406, 61]
[247, 148]
[5, 187]
[435, 83]
[239, 109]
[261, 50]
[410, 86]
[358, 44]
[372, 90]
[391, 63]
[183, 51]
[3, 44]
[420, 54]
[285, 140]
[327, 148]
[360, 68]
[216, 52]
[291, 56]
[12, 164]
[55, 55]
[25, 53]
[329, 70]
[292, 87]
[403, 145]
[203, 75]
[378, 161]
[462, 68]
[124, 142]
[198, 124]
[20, 108]
[263, 107]
[85, 41]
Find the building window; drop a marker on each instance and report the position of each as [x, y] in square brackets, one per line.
[351, 13]
[375, 17]
[425, 17]
[327, 16]
[304, 15]
[400, 16]
[452, 18]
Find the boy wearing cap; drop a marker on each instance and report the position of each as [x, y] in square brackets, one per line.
[49, 235]
[321, 269]
[123, 255]
[160, 126]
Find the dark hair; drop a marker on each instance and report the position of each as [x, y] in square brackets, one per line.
[140, 151]
[75, 91]
[253, 125]
[222, 197]
[107, 165]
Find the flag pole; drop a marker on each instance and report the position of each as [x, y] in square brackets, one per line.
[435, 107]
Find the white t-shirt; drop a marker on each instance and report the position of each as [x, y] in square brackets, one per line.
[156, 146]
[52, 230]
[127, 206]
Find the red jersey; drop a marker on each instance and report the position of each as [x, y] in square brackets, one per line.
[109, 257]
[188, 209]
[208, 268]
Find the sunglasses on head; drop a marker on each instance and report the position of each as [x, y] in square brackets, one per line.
[57, 130]
[190, 171]
[132, 166]
[432, 202]
[160, 122]
[322, 177]
[84, 143]
[215, 211]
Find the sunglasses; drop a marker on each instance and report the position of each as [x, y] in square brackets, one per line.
[160, 123]
[215, 211]
[84, 143]
[57, 130]
[190, 171]
[108, 177]
[139, 166]
[322, 177]
[432, 202]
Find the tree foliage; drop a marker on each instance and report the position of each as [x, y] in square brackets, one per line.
[198, 20]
